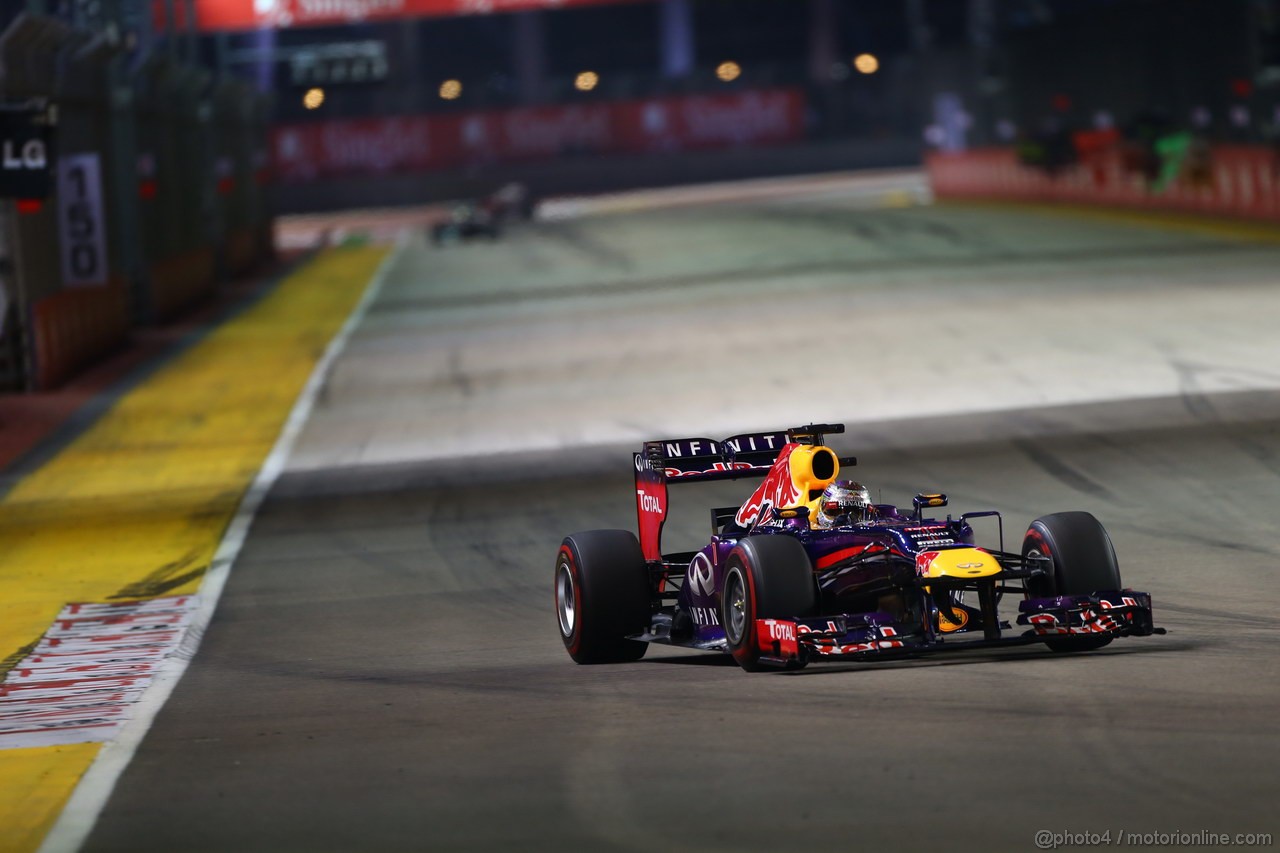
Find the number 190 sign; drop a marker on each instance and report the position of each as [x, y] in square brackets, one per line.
[80, 221]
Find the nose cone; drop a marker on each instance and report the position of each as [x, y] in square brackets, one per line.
[957, 563]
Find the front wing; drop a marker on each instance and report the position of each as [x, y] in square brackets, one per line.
[1120, 613]
[1124, 613]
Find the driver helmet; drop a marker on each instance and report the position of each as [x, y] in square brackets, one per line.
[843, 502]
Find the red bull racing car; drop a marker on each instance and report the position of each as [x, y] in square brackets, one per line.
[808, 568]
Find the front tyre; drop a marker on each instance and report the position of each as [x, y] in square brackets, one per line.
[1084, 562]
[765, 577]
[602, 595]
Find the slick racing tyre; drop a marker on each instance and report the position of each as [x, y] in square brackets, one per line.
[602, 595]
[765, 577]
[1084, 562]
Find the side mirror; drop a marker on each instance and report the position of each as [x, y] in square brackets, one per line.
[794, 512]
[922, 500]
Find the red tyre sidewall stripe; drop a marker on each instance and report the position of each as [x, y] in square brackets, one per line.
[748, 647]
[1042, 542]
[1042, 545]
[566, 554]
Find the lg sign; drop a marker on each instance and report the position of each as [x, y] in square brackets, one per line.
[24, 154]
[32, 155]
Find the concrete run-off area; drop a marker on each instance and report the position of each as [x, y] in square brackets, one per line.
[712, 319]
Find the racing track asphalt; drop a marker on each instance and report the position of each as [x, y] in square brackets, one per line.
[384, 673]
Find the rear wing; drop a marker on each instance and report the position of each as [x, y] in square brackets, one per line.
[695, 460]
[690, 460]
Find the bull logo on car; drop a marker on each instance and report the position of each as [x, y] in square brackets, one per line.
[778, 489]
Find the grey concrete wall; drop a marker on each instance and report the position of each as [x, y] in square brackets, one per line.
[597, 174]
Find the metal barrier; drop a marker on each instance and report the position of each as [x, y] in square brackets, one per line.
[175, 187]
[240, 176]
[59, 328]
[158, 184]
[1232, 180]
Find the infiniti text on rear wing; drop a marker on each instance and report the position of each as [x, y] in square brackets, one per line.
[693, 460]
[700, 459]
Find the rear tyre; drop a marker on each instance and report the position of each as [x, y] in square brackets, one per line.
[602, 595]
[1084, 562]
[765, 577]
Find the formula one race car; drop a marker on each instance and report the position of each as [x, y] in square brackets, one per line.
[808, 567]
[467, 221]
[485, 217]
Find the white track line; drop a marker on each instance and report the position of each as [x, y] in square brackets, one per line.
[94, 789]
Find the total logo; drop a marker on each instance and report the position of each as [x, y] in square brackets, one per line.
[649, 503]
[783, 631]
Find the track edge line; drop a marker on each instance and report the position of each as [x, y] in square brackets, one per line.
[86, 803]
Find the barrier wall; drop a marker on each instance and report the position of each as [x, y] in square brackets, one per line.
[174, 156]
[1231, 180]
[72, 327]
[177, 195]
[60, 329]
[240, 176]
[306, 152]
